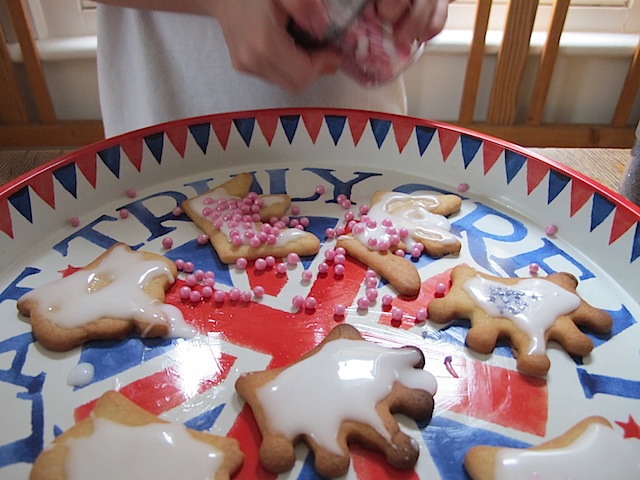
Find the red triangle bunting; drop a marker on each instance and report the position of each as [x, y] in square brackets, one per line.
[268, 124]
[133, 150]
[178, 138]
[222, 129]
[357, 123]
[43, 185]
[491, 153]
[622, 221]
[87, 165]
[5, 217]
[581, 192]
[448, 140]
[313, 124]
[536, 171]
[403, 131]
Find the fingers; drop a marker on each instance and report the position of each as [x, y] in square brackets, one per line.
[311, 15]
[414, 19]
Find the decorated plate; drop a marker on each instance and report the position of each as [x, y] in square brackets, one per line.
[518, 209]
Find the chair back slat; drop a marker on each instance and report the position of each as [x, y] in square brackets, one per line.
[629, 91]
[12, 107]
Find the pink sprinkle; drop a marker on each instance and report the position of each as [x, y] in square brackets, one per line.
[463, 187]
[364, 209]
[74, 221]
[188, 267]
[396, 314]
[323, 267]
[167, 242]
[295, 210]
[271, 260]
[235, 294]
[372, 294]
[421, 314]
[310, 303]
[124, 213]
[131, 193]
[195, 296]
[340, 231]
[207, 291]
[307, 275]
[339, 258]
[293, 258]
[358, 229]
[363, 303]
[281, 268]
[403, 232]
[258, 291]
[349, 216]
[297, 301]
[185, 292]
[339, 269]
[551, 230]
[372, 242]
[202, 239]
[219, 296]
[260, 264]
[399, 253]
[340, 251]
[293, 223]
[341, 198]
[339, 310]
[241, 263]
[330, 233]
[179, 263]
[330, 254]
[190, 281]
[533, 268]
[384, 245]
[255, 242]
[304, 221]
[246, 295]
[320, 189]
[387, 300]
[346, 204]
[441, 288]
[370, 274]
[177, 211]
[209, 281]
[371, 282]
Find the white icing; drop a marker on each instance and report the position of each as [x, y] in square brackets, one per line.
[599, 453]
[80, 375]
[114, 289]
[412, 212]
[156, 451]
[533, 304]
[343, 381]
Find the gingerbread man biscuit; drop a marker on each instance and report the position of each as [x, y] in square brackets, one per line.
[120, 291]
[590, 450]
[121, 440]
[398, 222]
[342, 391]
[527, 311]
[235, 220]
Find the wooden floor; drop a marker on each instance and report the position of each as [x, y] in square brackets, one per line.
[603, 165]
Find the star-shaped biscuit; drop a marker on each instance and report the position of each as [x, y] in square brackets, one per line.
[119, 292]
[236, 222]
[528, 312]
[89, 445]
[343, 391]
[402, 221]
[589, 449]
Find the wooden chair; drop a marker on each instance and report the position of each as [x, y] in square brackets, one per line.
[507, 79]
[20, 123]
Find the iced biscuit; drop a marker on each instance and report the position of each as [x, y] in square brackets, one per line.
[590, 450]
[120, 291]
[122, 440]
[235, 220]
[343, 391]
[396, 223]
[528, 312]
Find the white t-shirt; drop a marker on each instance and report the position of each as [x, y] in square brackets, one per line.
[155, 67]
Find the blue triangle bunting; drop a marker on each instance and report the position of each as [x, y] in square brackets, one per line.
[290, 125]
[67, 177]
[424, 135]
[557, 182]
[635, 250]
[470, 147]
[22, 202]
[380, 129]
[513, 164]
[155, 142]
[200, 134]
[336, 124]
[205, 421]
[245, 128]
[111, 158]
[601, 209]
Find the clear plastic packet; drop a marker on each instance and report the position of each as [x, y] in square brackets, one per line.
[370, 55]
